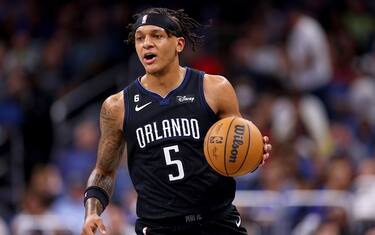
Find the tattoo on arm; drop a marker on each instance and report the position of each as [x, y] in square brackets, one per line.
[109, 156]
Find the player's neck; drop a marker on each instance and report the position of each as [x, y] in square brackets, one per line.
[164, 82]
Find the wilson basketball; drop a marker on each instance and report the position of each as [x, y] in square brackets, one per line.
[233, 146]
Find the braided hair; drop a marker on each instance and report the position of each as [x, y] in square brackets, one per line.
[187, 25]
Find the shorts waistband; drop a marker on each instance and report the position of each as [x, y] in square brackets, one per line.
[190, 219]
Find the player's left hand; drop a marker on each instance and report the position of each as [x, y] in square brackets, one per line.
[267, 147]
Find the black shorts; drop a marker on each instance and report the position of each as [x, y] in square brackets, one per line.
[226, 222]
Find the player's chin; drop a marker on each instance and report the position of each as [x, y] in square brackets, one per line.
[152, 69]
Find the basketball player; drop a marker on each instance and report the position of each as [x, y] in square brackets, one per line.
[164, 116]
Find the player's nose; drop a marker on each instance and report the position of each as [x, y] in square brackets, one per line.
[147, 43]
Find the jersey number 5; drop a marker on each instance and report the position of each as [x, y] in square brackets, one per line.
[169, 161]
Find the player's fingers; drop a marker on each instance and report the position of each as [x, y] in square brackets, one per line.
[102, 229]
[266, 139]
[265, 157]
[88, 230]
[267, 148]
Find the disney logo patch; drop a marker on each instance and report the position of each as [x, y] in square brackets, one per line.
[185, 98]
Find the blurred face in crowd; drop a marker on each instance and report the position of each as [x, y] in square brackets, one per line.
[339, 175]
[156, 49]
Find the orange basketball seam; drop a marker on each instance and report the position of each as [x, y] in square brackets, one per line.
[225, 146]
[208, 149]
[247, 151]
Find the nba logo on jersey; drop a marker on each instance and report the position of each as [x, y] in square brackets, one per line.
[144, 19]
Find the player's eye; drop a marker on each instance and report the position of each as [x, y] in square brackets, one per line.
[139, 38]
[158, 36]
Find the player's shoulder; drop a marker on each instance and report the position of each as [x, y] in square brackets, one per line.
[215, 81]
[114, 101]
[113, 108]
[214, 87]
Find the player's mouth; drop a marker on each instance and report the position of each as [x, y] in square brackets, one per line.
[149, 58]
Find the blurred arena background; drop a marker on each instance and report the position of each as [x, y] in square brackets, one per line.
[304, 72]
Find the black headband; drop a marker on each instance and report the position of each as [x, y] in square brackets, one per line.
[162, 21]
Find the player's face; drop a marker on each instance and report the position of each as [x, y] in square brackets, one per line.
[156, 49]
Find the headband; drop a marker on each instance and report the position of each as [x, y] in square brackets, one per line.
[162, 21]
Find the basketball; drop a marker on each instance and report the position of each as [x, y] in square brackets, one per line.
[233, 146]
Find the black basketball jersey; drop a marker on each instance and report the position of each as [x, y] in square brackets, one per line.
[165, 151]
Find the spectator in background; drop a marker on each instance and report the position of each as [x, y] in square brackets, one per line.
[68, 206]
[51, 76]
[364, 197]
[308, 52]
[26, 109]
[35, 215]
[327, 228]
[78, 159]
[362, 103]
[340, 174]
[309, 73]
[359, 23]
[256, 55]
[24, 53]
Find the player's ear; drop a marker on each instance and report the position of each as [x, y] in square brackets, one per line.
[180, 44]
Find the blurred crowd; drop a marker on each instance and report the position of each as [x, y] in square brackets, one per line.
[304, 73]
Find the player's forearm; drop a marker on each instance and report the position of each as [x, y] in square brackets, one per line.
[103, 182]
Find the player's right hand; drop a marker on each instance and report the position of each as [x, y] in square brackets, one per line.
[92, 223]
